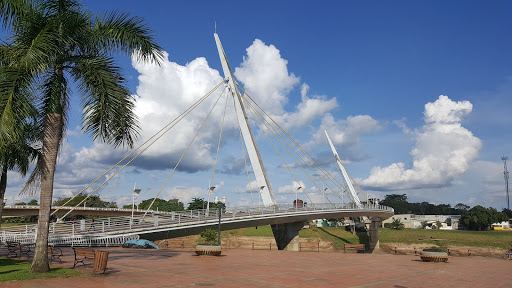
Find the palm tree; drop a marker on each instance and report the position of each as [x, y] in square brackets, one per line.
[18, 154]
[54, 43]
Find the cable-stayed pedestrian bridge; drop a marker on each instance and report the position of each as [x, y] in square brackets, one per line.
[113, 231]
[285, 220]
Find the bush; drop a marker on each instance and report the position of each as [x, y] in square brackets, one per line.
[397, 224]
[208, 237]
[387, 225]
[435, 249]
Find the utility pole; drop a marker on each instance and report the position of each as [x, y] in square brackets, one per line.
[505, 173]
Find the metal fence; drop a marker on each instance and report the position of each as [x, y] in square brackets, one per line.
[114, 231]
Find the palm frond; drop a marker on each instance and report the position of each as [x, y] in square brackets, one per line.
[108, 105]
[122, 32]
[16, 101]
[13, 10]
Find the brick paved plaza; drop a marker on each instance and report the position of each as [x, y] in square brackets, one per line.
[247, 268]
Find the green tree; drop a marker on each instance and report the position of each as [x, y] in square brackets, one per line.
[52, 44]
[397, 202]
[508, 212]
[33, 202]
[161, 205]
[18, 152]
[197, 203]
[481, 218]
[461, 208]
[92, 201]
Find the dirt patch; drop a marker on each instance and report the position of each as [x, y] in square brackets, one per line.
[240, 242]
[411, 249]
[269, 243]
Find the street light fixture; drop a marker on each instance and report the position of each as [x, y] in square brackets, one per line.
[135, 193]
[219, 210]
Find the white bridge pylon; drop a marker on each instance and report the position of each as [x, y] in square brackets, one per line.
[344, 173]
[264, 186]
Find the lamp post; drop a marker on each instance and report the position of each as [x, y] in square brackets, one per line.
[219, 209]
[297, 197]
[135, 193]
[325, 189]
[210, 191]
[259, 200]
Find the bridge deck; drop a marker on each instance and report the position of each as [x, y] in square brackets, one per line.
[114, 230]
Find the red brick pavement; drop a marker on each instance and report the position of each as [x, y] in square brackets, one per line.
[247, 268]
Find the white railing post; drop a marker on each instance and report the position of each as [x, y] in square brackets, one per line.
[103, 226]
[179, 218]
[172, 215]
[155, 220]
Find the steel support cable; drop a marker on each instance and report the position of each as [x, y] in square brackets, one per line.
[333, 179]
[166, 128]
[218, 146]
[284, 162]
[359, 188]
[267, 124]
[183, 155]
[154, 135]
[243, 150]
[342, 188]
[297, 145]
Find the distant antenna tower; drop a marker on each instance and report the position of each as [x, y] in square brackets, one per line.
[505, 173]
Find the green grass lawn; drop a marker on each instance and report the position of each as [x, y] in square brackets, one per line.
[338, 236]
[20, 270]
[495, 239]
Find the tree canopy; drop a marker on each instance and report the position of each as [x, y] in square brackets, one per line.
[92, 201]
[481, 218]
[160, 205]
[402, 206]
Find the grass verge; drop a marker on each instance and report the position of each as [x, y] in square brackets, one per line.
[11, 269]
[338, 236]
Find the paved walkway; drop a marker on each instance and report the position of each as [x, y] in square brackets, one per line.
[247, 268]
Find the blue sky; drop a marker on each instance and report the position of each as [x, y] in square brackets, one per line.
[369, 67]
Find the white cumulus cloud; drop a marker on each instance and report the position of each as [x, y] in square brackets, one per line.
[265, 76]
[444, 149]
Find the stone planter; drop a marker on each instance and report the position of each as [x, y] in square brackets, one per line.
[429, 256]
[212, 250]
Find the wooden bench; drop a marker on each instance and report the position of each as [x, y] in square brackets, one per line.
[174, 243]
[309, 246]
[54, 252]
[357, 247]
[462, 250]
[18, 249]
[261, 246]
[99, 258]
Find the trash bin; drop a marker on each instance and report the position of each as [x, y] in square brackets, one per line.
[100, 260]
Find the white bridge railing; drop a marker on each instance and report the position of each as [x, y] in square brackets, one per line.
[114, 231]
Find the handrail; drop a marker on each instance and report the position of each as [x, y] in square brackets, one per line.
[120, 226]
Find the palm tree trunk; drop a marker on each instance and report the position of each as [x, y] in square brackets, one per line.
[3, 186]
[51, 142]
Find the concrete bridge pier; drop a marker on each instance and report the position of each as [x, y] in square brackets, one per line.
[287, 235]
[373, 233]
